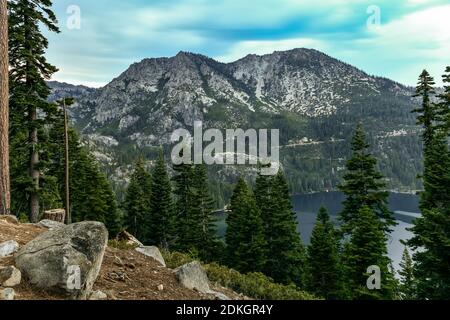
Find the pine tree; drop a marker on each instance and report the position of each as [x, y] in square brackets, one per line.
[431, 232]
[407, 281]
[443, 113]
[137, 201]
[427, 111]
[363, 186]
[161, 224]
[285, 251]
[324, 273]
[184, 198]
[203, 227]
[29, 91]
[91, 195]
[245, 233]
[367, 247]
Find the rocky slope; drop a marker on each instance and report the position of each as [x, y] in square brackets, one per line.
[124, 274]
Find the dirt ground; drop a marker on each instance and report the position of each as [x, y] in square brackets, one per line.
[124, 275]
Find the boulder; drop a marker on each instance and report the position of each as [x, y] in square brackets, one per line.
[7, 294]
[65, 260]
[129, 239]
[10, 276]
[10, 219]
[98, 295]
[152, 252]
[50, 224]
[193, 276]
[8, 248]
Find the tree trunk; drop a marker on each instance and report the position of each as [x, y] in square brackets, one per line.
[4, 112]
[34, 171]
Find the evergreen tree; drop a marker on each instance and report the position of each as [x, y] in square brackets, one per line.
[431, 232]
[324, 273]
[363, 186]
[28, 95]
[203, 228]
[184, 198]
[285, 251]
[444, 103]
[161, 225]
[427, 111]
[407, 282]
[91, 194]
[245, 233]
[367, 247]
[137, 201]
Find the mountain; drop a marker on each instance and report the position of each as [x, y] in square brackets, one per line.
[314, 99]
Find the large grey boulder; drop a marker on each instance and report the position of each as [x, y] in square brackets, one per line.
[8, 248]
[152, 252]
[193, 276]
[10, 276]
[65, 260]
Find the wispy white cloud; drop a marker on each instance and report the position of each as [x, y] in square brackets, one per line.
[115, 33]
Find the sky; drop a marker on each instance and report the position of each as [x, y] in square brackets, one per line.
[395, 39]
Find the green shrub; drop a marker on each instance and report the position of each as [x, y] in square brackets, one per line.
[253, 285]
[176, 259]
[121, 244]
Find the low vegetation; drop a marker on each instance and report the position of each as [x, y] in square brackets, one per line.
[254, 285]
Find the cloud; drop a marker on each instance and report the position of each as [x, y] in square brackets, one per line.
[116, 33]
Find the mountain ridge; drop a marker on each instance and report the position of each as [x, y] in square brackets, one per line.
[308, 95]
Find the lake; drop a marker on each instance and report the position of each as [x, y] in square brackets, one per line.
[405, 207]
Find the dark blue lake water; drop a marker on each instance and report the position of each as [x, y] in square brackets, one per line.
[405, 206]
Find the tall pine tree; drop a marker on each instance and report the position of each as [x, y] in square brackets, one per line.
[203, 227]
[431, 239]
[367, 247]
[324, 272]
[29, 108]
[245, 233]
[161, 224]
[285, 251]
[184, 198]
[364, 186]
[137, 201]
[91, 194]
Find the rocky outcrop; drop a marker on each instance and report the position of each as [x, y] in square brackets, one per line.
[10, 276]
[193, 276]
[50, 224]
[8, 248]
[152, 252]
[66, 260]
